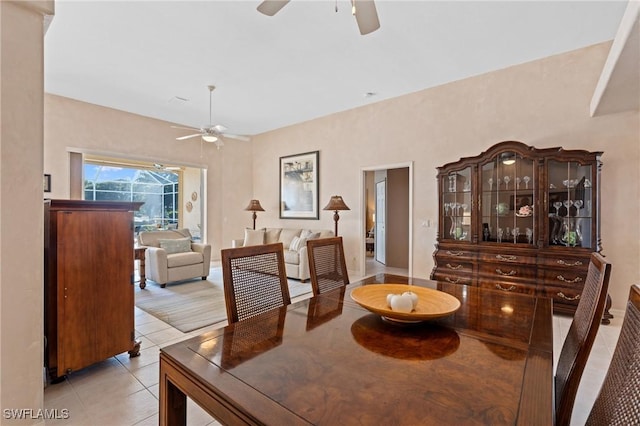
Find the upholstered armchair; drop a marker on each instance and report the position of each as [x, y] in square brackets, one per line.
[172, 256]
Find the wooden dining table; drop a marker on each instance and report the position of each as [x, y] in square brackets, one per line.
[328, 361]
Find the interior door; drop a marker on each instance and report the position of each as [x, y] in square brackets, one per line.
[381, 213]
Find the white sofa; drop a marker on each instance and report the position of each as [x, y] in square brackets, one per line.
[172, 256]
[295, 255]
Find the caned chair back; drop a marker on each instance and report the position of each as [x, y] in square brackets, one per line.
[619, 400]
[327, 267]
[255, 280]
[582, 333]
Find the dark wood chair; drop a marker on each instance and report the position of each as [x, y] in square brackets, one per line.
[327, 267]
[617, 403]
[255, 280]
[579, 341]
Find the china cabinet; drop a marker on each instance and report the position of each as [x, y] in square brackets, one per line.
[88, 283]
[516, 218]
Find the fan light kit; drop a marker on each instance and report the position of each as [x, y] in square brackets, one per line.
[212, 133]
[364, 11]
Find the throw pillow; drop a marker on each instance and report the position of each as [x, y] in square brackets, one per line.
[313, 236]
[287, 234]
[295, 243]
[272, 235]
[253, 237]
[176, 245]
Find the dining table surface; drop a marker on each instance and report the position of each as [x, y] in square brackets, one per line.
[326, 360]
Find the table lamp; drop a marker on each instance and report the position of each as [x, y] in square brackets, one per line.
[336, 203]
[254, 206]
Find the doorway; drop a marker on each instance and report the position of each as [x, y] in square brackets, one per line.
[387, 200]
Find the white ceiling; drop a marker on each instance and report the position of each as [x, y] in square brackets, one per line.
[305, 62]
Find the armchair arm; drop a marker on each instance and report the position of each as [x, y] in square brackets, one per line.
[156, 265]
[205, 249]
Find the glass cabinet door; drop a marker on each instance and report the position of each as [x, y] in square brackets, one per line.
[508, 194]
[570, 204]
[456, 201]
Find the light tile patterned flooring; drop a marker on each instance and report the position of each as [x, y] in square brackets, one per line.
[123, 391]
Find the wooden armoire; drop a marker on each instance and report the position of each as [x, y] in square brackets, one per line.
[88, 283]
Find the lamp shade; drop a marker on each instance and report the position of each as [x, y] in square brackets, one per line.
[336, 203]
[254, 206]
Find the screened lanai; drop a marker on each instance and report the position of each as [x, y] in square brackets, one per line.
[157, 187]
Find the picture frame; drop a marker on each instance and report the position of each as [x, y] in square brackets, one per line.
[299, 179]
[47, 183]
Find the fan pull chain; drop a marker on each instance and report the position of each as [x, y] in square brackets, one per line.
[336, 6]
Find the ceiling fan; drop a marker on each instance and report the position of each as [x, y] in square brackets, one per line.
[364, 11]
[212, 133]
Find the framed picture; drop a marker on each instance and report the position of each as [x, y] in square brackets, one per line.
[47, 183]
[299, 186]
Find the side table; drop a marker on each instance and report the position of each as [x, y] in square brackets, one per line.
[138, 254]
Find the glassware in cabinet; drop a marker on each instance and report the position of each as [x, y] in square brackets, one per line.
[570, 203]
[508, 199]
[457, 201]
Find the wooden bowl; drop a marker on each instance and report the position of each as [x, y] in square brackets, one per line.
[431, 303]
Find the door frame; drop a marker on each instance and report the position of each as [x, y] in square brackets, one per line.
[363, 208]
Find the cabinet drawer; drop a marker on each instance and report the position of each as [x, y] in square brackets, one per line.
[564, 295]
[452, 265]
[455, 254]
[507, 271]
[564, 262]
[569, 278]
[452, 277]
[508, 286]
[518, 259]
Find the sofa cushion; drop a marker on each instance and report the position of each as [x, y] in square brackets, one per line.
[287, 234]
[176, 245]
[253, 237]
[291, 257]
[184, 259]
[272, 235]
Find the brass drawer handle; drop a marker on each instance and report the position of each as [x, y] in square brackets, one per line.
[507, 258]
[450, 266]
[499, 287]
[506, 274]
[562, 262]
[456, 281]
[563, 279]
[455, 253]
[562, 296]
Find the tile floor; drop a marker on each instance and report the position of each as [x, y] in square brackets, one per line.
[123, 391]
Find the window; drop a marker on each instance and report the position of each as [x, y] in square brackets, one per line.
[158, 188]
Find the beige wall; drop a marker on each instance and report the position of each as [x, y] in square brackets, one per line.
[71, 125]
[21, 207]
[543, 103]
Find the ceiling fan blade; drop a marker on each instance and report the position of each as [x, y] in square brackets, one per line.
[366, 16]
[218, 128]
[185, 128]
[271, 7]
[238, 137]
[181, 138]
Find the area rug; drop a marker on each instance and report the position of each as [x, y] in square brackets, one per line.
[191, 305]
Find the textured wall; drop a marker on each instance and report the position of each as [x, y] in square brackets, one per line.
[544, 103]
